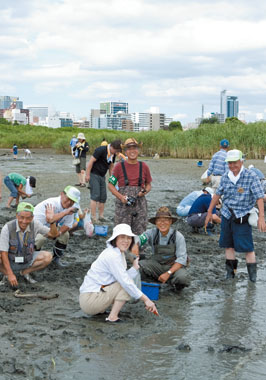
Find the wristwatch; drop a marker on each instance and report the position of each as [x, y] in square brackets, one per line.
[169, 272]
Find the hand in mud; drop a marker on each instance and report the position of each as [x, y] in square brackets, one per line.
[207, 220]
[150, 306]
[12, 279]
[49, 213]
[164, 277]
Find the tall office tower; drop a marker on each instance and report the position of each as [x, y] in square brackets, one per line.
[7, 101]
[232, 106]
[223, 106]
[114, 107]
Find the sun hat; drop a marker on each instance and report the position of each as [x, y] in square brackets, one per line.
[209, 190]
[234, 155]
[72, 193]
[163, 212]
[121, 229]
[32, 181]
[81, 136]
[224, 143]
[24, 206]
[131, 142]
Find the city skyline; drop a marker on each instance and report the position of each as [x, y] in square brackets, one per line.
[176, 56]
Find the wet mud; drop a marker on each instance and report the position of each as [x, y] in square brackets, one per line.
[212, 329]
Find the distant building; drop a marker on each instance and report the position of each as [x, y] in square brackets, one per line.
[114, 107]
[111, 121]
[141, 120]
[7, 101]
[65, 122]
[229, 106]
[38, 114]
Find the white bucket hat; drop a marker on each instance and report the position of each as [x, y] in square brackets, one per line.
[121, 229]
[81, 136]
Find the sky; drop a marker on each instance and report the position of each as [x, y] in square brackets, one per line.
[171, 54]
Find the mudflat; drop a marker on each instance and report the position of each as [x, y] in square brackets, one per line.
[212, 329]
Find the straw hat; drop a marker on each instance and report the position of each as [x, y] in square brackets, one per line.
[163, 212]
[131, 142]
[121, 229]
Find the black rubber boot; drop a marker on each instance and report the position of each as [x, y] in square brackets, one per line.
[252, 271]
[58, 252]
[231, 267]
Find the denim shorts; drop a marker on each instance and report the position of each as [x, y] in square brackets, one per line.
[11, 187]
[237, 236]
[98, 188]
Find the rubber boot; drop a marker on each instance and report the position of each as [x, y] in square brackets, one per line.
[231, 266]
[58, 251]
[252, 271]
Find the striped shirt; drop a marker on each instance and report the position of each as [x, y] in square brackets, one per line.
[242, 196]
[218, 166]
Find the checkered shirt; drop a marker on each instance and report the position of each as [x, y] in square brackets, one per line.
[218, 166]
[242, 196]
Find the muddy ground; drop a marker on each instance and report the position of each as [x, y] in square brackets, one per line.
[211, 330]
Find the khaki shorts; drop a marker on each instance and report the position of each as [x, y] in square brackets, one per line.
[94, 303]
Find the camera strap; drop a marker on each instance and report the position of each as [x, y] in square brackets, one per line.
[125, 173]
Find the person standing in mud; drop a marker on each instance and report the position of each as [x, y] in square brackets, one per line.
[134, 181]
[241, 189]
[169, 254]
[17, 245]
[218, 166]
[108, 282]
[64, 210]
[80, 151]
[101, 161]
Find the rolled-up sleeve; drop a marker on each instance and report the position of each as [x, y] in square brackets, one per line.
[181, 249]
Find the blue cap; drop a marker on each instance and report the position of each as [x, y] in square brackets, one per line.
[224, 143]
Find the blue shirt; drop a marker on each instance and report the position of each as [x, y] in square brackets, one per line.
[201, 205]
[242, 196]
[218, 166]
[73, 142]
[258, 172]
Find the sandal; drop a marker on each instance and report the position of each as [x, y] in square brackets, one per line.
[118, 320]
[82, 185]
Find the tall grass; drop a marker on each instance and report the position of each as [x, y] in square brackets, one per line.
[199, 143]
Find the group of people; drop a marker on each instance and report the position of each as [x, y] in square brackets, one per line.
[108, 283]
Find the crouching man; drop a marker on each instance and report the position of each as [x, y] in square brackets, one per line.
[17, 245]
[169, 259]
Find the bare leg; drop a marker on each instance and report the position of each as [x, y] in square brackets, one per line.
[93, 209]
[117, 306]
[101, 209]
[250, 257]
[9, 201]
[82, 177]
[230, 253]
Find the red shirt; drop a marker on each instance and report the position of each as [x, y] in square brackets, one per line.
[132, 171]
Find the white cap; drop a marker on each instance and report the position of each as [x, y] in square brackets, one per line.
[121, 229]
[209, 190]
[234, 155]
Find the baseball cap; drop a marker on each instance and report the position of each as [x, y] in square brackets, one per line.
[224, 143]
[24, 206]
[72, 193]
[209, 190]
[234, 155]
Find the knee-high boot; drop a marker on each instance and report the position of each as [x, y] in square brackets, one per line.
[231, 267]
[252, 271]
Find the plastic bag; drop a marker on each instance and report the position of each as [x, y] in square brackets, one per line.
[253, 217]
[88, 226]
[204, 176]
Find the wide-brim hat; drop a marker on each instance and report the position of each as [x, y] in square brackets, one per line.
[81, 136]
[131, 142]
[163, 212]
[72, 193]
[121, 229]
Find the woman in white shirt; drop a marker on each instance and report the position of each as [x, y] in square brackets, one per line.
[108, 282]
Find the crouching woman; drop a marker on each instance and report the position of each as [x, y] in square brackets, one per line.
[108, 282]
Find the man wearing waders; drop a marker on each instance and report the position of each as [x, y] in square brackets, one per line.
[241, 189]
[169, 255]
[134, 181]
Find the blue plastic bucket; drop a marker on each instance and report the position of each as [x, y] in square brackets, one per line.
[200, 164]
[151, 290]
[101, 230]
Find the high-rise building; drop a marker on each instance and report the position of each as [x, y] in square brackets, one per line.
[7, 101]
[229, 106]
[114, 107]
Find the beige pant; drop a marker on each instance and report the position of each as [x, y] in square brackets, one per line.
[40, 240]
[94, 303]
[215, 181]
